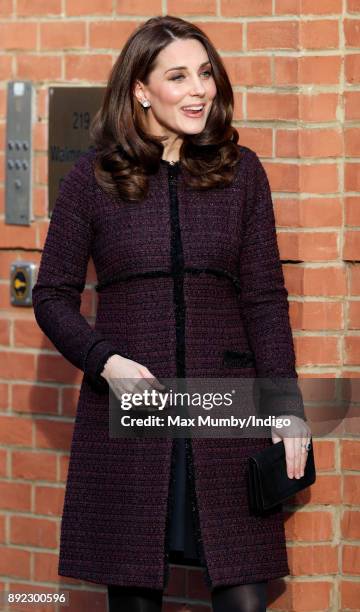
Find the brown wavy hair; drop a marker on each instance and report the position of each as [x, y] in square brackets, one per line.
[126, 154]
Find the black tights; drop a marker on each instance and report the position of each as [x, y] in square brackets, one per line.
[239, 598]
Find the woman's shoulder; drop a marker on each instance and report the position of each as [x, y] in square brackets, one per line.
[248, 156]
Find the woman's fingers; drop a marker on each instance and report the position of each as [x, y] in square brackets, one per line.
[296, 456]
[289, 444]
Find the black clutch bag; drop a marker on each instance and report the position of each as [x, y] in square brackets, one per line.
[267, 480]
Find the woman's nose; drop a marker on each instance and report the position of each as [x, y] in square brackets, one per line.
[197, 86]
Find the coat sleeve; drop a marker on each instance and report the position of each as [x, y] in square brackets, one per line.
[62, 275]
[263, 299]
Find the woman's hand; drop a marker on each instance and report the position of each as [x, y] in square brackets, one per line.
[296, 453]
[128, 376]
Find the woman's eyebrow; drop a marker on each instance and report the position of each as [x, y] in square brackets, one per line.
[185, 67]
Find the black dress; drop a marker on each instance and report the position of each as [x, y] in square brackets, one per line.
[182, 522]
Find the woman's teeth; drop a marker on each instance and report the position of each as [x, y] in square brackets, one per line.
[195, 111]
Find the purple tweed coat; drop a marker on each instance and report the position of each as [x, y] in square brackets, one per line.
[193, 289]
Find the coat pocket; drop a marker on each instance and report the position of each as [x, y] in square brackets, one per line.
[239, 359]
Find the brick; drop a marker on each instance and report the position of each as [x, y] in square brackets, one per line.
[46, 566]
[350, 525]
[312, 212]
[352, 68]
[354, 315]
[6, 8]
[286, 70]
[257, 138]
[319, 34]
[4, 332]
[324, 455]
[17, 365]
[53, 35]
[248, 70]
[191, 7]
[17, 35]
[4, 396]
[272, 35]
[273, 107]
[40, 201]
[38, 67]
[312, 560]
[35, 399]
[32, 465]
[352, 32]
[322, 70]
[64, 466]
[350, 595]
[3, 462]
[351, 493]
[28, 334]
[352, 347]
[354, 273]
[352, 141]
[352, 176]
[110, 34]
[139, 7]
[15, 496]
[351, 559]
[352, 104]
[24, 8]
[244, 8]
[282, 176]
[15, 430]
[316, 316]
[15, 236]
[318, 178]
[351, 245]
[287, 7]
[321, 8]
[40, 137]
[312, 595]
[53, 368]
[49, 500]
[318, 107]
[5, 67]
[226, 36]
[74, 8]
[15, 562]
[307, 246]
[30, 531]
[329, 281]
[2, 531]
[89, 67]
[353, 6]
[55, 435]
[318, 351]
[317, 142]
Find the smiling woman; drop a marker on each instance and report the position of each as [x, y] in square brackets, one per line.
[190, 285]
[176, 94]
[157, 107]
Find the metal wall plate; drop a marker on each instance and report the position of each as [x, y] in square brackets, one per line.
[18, 158]
[71, 110]
[22, 279]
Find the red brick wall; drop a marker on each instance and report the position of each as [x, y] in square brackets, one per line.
[295, 69]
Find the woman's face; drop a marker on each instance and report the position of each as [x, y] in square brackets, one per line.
[181, 78]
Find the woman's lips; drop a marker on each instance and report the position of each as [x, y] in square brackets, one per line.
[193, 114]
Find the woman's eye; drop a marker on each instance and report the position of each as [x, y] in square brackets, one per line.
[180, 76]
